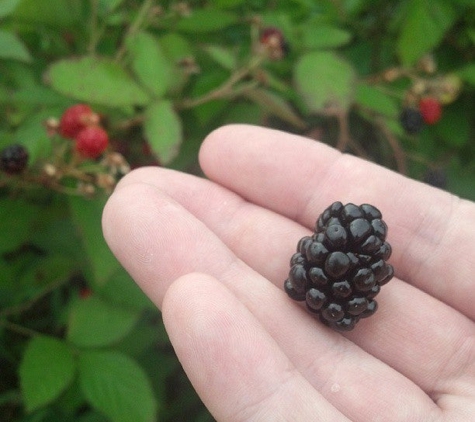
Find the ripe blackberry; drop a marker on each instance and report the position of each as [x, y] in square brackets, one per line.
[340, 269]
[13, 159]
[411, 120]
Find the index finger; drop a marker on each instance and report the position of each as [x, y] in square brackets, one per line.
[431, 231]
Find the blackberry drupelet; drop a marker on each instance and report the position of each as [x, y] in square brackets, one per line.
[340, 269]
[13, 159]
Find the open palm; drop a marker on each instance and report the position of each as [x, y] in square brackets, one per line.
[213, 256]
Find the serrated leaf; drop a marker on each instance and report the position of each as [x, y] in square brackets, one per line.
[96, 80]
[116, 385]
[47, 368]
[222, 56]
[163, 130]
[425, 24]
[206, 20]
[149, 63]
[371, 97]
[324, 80]
[12, 47]
[95, 323]
[324, 36]
[87, 219]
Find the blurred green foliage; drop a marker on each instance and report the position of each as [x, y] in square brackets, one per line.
[76, 334]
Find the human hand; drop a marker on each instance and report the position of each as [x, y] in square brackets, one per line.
[213, 256]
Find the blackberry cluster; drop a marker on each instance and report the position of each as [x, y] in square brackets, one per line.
[411, 120]
[340, 269]
[13, 159]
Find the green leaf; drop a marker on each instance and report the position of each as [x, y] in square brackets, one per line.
[372, 97]
[32, 134]
[95, 80]
[163, 130]
[87, 218]
[11, 47]
[95, 323]
[222, 56]
[120, 289]
[467, 73]
[16, 221]
[206, 20]
[7, 7]
[175, 46]
[47, 368]
[39, 95]
[49, 12]
[228, 3]
[108, 6]
[425, 24]
[324, 80]
[149, 63]
[454, 126]
[117, 386]
[324, 36]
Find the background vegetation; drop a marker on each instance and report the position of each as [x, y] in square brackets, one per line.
[76, 334]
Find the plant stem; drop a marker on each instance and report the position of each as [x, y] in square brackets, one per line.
[226, 89]
[393, 142]
[94, 37]
[16, 328]
[134, 27]
[17, 309]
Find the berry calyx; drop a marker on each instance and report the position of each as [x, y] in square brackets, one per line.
[91, 141]
[76, 118]
[411, 120]
[13, 159]
[431, 110]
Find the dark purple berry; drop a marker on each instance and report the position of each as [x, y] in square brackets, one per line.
[340, 269]
[411, 120]
[13, 159]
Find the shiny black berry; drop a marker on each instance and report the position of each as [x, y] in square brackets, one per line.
[340, 269]
[411, 120]
[13, 159]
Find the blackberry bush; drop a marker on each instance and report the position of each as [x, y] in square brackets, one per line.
[340, 269]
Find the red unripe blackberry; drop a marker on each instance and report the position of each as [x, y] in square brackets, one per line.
[76, 118]
[430, 109]
[92, 141]
[340, 269]
[13, 159]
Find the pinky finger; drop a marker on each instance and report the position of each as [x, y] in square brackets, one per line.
[235, 366]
